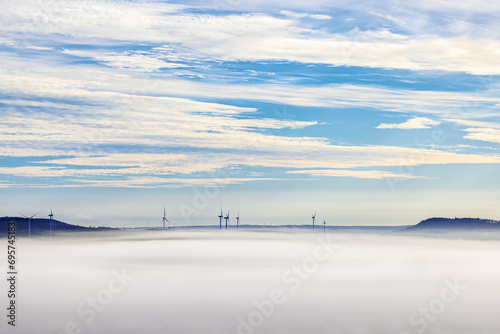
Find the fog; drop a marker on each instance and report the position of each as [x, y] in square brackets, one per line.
[255, 282]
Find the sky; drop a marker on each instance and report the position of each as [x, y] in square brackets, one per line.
[366, 112]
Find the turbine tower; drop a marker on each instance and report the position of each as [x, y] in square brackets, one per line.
[324, 226]
[29, 222]
[220, 219]
[314, 218]
[238, 220]
[164, 218]
[51, 216]
[227, 218]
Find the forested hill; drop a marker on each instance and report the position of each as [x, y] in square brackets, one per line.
[40, 226]
[452, 224]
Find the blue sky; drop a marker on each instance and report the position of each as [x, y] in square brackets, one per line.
[371, 113]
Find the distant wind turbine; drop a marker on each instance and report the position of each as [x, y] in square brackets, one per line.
[164, 218]
[51, 216]
[29, 222]
[314, 218]
[227, 218]
[220, 219]
[238, 220]
[324, 226]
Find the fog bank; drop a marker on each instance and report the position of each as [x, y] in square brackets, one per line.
[255, 282]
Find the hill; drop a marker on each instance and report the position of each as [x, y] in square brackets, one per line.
[40, 226]
[455, 224]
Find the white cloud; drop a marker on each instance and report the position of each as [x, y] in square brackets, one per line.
[414, 123]
[296, 15]
[40, 78]
[109, 107]
[362, 174]
[256, 36]
[483, 134]
[141, 182]
[210, 141]
[131, 104]
[481, 124]
[155, 182]
[130, 60]
[320, 17]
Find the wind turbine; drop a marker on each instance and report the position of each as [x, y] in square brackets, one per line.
[238, 220]
[227, 218]
[29, 222]
[220, 219]
[314, 218]
[164, 218]
[50, 223]
[324, 226]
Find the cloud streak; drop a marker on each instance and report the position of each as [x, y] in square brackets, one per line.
[483, 134]
[361, 174]
[414, 123]
[251, 36]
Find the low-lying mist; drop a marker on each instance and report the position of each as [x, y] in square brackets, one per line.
[255, 282]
